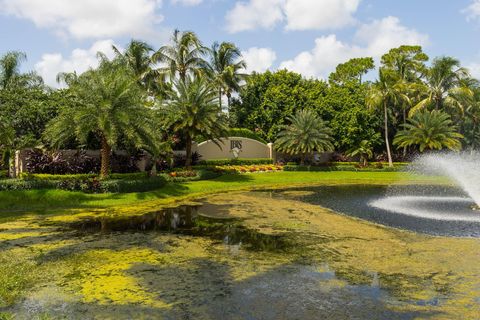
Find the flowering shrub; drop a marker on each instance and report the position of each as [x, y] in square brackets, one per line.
[249, 169]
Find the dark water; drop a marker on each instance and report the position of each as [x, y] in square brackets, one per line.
[355, 200]
[189, 220]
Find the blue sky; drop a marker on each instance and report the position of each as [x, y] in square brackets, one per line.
[306, 36]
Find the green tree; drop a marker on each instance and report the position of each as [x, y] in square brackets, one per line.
[406, 65]
[191, 109]
[444, 86]
[351, 71]
[306, 133]
[111, 106]
[225, 69]
[10, 75]
[381, 94]
[184, 56]
[429, 130]
[364, 150]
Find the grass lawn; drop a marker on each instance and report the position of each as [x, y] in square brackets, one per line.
[13, 202]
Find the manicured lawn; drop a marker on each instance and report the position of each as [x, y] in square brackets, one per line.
[43, 200]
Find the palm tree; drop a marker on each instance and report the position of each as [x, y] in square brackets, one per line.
[364, 150]
[429, 130]
[381, 93]
[110, 106]
[7, 134]
[182, 57]
[224, 69]
[306, 133]
[444, 85]
[191, 110]
[10, 74]
[407, 65]
[137, 56]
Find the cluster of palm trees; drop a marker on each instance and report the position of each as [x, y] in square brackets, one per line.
[142, 95]
[428, 98]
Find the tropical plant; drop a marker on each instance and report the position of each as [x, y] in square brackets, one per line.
[364, 150]
[10, 74]
[110, 106]
[429, 130]
[444, 86]
[7, 134]
[137, 56]
[306, 133]
[225, 69]
[383, 93]
[191, 110]
[183, 57]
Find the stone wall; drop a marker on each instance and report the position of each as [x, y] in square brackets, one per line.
[233, 147]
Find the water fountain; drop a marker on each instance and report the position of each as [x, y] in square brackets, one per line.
[461, 168]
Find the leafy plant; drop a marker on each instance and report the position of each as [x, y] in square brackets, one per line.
[429, 130]
[306, 133]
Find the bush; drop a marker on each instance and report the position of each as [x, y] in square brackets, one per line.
[354, 166]
[127, 186]
[233, 162]
[56, 177]
[3, 174]
[202, 174]
[19, 184]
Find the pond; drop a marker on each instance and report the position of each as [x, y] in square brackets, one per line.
[275, 254]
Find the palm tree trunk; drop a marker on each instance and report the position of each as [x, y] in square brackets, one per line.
[229, 96]
[404, 123]
[220, 98]
[188, 148]
[389, 154]
[105, 155]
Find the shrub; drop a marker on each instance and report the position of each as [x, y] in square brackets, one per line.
[231, 162]
[19, 184]
[127, 186]
[3, 174]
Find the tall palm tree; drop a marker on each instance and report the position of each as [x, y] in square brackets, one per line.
[137, 56]
[306, 133]
[191, 110]
[407, 65]
[444, 85]
[184, 56]
[381, 94]
[429, 130]
[10, 74]
[110, 106]
[225, 69]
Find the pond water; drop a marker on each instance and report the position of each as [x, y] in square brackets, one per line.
[276, 254]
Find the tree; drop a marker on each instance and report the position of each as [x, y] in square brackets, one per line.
[10, 75]
[110, 106]
[444, 85]
[184, 56]
[7, 134]
[351, 71]
[191, 109]
[306, 133]
[381, 93]
[429, 130]
[406, 64]
[225, 69]
[364, 150]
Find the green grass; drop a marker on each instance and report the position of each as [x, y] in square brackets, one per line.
[43, 200]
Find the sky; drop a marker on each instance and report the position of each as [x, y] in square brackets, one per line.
[307, 36]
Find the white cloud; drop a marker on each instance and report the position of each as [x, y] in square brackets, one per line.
[320, 15]
[473, 10]
[80, 60]
[88, 18]
[259, 59]
[188, 3]
[371, 40]
[298, 14]
[254, 14]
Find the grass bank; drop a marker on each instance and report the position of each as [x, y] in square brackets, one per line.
[43, 200]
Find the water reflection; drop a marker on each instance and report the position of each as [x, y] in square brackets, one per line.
[188, 220]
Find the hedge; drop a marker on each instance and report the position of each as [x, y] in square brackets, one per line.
[343, 168]
[233, 162]
[126, 186]
[64, 177]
